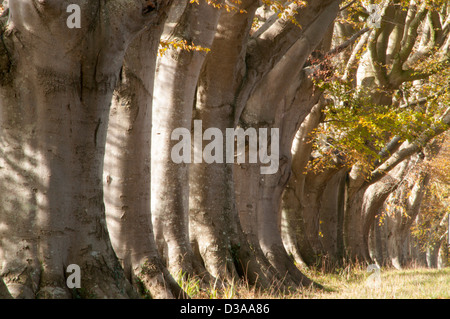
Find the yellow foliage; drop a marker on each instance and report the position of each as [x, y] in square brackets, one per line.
[225, 6]
[180, 45]
[285, 9]
[429, 229]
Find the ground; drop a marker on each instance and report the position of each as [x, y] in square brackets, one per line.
[346, 283]
[394, 284]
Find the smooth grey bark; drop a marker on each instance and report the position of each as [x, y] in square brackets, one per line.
[331, 223]
[313, 196]
[437, 249]
[443, 255]
[294, 225]
[270, 43]
[314, 201]
[215, 227]
[252, 115]
[377, 240]
[127, 168]
[292, 110]
[355, 244]
[295, 201]
[362, 208]
[432, 253]
[400, 222]
[4, 293]
[444, 249]
[267, 59]
[175, 88]
[279, 100]
[54, 104]
[383, 45]
[282, 104]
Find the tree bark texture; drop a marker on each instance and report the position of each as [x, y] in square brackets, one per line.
[176, 82]
[127, 168]
[54, 115]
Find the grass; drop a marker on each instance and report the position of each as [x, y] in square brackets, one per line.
[394, 284]
[348, 283]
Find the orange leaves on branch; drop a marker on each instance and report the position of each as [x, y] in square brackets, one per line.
[180, 45]
[229, 8]
[286, 10]
[430, 229]
[439, 165]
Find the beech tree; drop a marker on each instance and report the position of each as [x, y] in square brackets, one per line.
[127, 174]
[100, 100]
[176, 82]
[430, 231]
[219, 90]
[409, 46]
[56, 88]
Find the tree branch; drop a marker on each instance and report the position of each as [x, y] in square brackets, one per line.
[267, 49]
[378, 66]
[352, 64]
[348, 5]
[423, 100]
[390, 147]
[411, 35]
[347, 43]
[224, 66]
[412, 148]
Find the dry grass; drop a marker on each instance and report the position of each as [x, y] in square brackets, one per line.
[394, 284]
[348, 283]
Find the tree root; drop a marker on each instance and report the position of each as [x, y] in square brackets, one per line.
[158, 282]
[293, 278]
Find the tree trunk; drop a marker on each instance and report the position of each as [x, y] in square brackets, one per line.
[4, 293]
[283, 105]
[443, 255]
[214, 223]
[292, 110]
[400, 222]
[127, 170]
[175, 88]
[294, 228]
[54, 102]
[365, 200]
[377, 240]
[331, 220]
[432, 253]
[267, 56]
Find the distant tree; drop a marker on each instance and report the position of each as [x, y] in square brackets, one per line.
[391, 90]
[431, 230]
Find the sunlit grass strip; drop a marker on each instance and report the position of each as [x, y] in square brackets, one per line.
[346, 283]
[395, 284]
